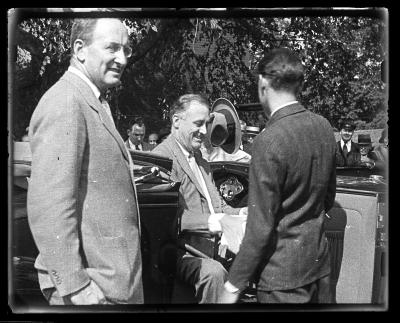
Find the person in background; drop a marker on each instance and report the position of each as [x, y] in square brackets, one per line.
[292, 185]
[153, 139]
[201, 205]
[382, 149]
[82, 207]
[211, 153]
[251, 133]
[348, 152]
[136, 133]
[368, 157]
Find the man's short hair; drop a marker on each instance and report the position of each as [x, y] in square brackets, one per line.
[183, 102]
[283, 68]
[82, 29]
[136, 125]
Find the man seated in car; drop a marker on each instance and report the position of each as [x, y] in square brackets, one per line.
[201, 206]
[368, 156]
[348, 152]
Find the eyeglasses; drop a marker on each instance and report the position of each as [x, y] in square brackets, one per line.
[115, 48]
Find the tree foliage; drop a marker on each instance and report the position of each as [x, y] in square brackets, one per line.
[216, 57]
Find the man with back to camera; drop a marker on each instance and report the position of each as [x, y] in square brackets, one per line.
[201, 206]
[292, 186]
[82, 206]
[136, 133]
[348, 152]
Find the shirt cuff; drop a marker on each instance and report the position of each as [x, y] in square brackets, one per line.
[230, 288]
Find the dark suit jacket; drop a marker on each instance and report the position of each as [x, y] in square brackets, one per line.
[82, 207]
[292, 186]
[145, 145]
[194, 209]
[353, 157]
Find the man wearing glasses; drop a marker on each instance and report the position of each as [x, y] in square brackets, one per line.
[82, 206]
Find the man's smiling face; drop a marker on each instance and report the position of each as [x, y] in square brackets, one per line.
[192, 126]
[103, 63]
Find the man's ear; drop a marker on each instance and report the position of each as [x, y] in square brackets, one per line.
[175, 121]
[263, 82]
[79, 50]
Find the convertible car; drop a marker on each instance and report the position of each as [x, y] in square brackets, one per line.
[356, 229]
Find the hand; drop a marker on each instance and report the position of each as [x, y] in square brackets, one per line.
[213, 222]
[89, 295]
[228, 297]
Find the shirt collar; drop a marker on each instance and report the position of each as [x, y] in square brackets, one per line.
[132, 145]
[77, 72]
[348, 144]
[283, 105]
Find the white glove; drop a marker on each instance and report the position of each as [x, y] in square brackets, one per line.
[213, 222]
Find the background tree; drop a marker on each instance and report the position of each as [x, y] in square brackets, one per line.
[216, 57]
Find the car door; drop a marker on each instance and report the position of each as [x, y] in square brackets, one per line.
[158, 203]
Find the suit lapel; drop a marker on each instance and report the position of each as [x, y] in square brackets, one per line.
[95, 104]
[180, 157]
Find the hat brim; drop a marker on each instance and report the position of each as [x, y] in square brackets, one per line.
[231, 126]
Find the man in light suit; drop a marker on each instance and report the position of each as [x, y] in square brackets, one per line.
[201, 206]
[82, 205]
[292, 187]
[136, 133]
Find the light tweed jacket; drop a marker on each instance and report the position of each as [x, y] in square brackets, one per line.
[194, 211]
[81, 201]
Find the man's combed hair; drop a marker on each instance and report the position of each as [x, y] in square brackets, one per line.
[82, 29]
[284, 69]
[184, 101]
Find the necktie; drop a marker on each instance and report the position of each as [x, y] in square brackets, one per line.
[345, 151]
[137, 147]
[106, 107]
[196, 170]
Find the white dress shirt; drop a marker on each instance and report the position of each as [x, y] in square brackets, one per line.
[133, 147]
[348, 144]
